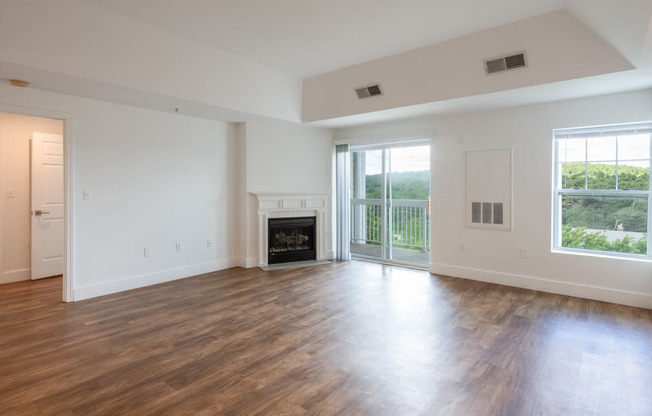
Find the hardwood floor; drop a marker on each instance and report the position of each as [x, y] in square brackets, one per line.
[341, 339]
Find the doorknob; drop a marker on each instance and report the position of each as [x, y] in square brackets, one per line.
[38, 212]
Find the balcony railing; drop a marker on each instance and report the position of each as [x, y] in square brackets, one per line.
[409, 221]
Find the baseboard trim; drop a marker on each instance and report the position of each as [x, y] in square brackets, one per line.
[148, 279]
[245, 262]
[16, 275]
[622, 297]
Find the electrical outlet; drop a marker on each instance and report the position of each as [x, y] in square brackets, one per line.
[462, 245]
[148, 252]
[11, 193]
[209, 243]
[525, 252]
[178, 247]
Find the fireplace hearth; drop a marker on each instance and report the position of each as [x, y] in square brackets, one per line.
[291, 239]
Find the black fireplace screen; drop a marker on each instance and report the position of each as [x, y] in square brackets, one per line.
[291, 239]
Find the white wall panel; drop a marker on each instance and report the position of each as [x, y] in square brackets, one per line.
[156, 179]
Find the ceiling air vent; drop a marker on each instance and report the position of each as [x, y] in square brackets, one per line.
[369, 91]
[505, 63]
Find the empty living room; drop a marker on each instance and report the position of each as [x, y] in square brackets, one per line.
[325, 208]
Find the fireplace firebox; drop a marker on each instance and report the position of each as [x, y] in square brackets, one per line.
[291, 239]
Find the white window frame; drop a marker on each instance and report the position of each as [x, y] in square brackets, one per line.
[558, 193]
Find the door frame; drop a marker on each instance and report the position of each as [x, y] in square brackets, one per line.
[68, 209]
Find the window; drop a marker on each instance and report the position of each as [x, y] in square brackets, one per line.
[602, 190]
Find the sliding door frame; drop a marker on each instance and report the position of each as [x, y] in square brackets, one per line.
[386, 248]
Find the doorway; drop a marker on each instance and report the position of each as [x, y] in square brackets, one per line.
[29, 229]
[390, 203]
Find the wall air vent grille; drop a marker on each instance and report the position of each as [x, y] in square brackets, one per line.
[362, 92]
[495, 65]
[515, 61]
[487, 212]
[369, 91]
[505, 63]
[374, 90]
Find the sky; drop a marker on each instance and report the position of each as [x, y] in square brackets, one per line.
[403, 159]
[631, 150]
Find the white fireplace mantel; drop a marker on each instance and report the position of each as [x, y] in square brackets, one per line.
[292, 205]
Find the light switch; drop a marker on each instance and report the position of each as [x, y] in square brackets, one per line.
[87, 195]
[10, 193]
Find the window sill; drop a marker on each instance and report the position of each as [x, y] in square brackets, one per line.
[602, 254]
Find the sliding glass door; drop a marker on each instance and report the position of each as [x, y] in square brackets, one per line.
[390, 202]
[367, 209]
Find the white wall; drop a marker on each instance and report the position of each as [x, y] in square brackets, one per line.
[15, 137]
[495, 255]
[155, 178]
[101, 49]
[240, 207]
[285, 158]
[558, 47]
[158, 178]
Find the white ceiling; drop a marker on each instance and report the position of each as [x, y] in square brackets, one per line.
[307, 37]
[292, 40]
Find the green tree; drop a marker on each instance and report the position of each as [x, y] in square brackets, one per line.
[603, 176]
[580, 238]
[603, 212]
[405, 185]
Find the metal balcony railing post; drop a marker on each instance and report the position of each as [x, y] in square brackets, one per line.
[424, 228]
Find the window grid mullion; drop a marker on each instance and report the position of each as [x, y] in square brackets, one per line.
[586, 163]
[617, 163]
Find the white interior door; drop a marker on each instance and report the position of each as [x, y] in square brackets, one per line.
[47, 205]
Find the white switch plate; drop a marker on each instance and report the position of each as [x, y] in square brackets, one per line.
[525, 252]
[10, 193]
[178, 247]
[209, 243]
[87, 195]
[148, 252]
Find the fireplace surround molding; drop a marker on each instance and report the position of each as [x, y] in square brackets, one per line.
[293, 205]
